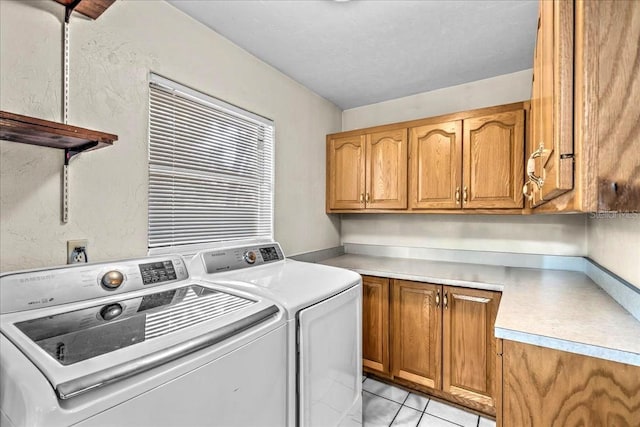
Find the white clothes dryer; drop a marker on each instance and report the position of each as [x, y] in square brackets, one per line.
[324, 316]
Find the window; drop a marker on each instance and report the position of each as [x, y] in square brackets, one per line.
[210, 169]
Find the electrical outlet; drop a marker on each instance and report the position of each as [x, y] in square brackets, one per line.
[77, 251]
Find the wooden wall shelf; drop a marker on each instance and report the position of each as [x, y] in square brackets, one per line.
[30, 130]
[90, 8]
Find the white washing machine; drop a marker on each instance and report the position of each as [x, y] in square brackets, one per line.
[324, 312]
[138, 343]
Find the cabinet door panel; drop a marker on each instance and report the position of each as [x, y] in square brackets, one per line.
[436, 166]
[416, 333]
[387, 170]
[375, 324]
[552, 101]
[547, 387]
[493, 161]
[346, 176]
[469, 343]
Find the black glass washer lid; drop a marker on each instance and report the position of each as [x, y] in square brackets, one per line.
[78, 335]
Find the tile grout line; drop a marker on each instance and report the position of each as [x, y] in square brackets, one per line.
[399, 409]
[376, 395]
[422, 412]
[390, 400]
[443, 419]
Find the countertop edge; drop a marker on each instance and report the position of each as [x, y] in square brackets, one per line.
[591, 350]
[435, 280]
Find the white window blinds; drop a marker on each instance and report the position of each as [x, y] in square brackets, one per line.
[210, 169]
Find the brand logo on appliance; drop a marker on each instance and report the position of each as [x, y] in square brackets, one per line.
[37, 278]
[41, 301]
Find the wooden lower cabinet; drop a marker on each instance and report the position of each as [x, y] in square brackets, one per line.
[547, 388]
[441, 338]
[416, 331]
[375, 325]
[469, 345]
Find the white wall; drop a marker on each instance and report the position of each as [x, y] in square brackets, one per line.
[498, 90]
[542, 234]
[548, 234]
[110, 62]
[614, 243]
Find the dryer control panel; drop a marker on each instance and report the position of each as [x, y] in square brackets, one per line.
[228, 259]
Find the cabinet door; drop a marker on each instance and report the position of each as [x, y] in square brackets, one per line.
[547, 387]
[387, 170]
[436, 166]
[493, 151]
[375, 324]
[552, 103]
[469, 349]
[416, 336]
[346, 172]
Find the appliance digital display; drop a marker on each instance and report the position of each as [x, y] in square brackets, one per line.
[269, 254]
[155, 272]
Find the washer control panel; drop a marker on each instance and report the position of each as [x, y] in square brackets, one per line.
[228, 259]
[36, 289]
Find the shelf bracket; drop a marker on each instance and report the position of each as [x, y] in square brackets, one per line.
[68, 10]
[69, 153]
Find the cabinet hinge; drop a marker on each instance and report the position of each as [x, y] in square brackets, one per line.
[566, 156]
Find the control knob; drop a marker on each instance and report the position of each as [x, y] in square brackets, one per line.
[112, 279]
[111, 311]
[249, 257]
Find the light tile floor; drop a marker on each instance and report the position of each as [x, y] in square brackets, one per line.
[386, 406]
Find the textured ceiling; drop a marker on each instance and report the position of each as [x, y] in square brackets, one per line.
[365, 51]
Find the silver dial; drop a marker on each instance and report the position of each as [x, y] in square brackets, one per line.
[112, 279]
[249, 257]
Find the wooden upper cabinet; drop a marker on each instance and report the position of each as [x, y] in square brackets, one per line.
[436, 166]
[582, 109]
[551, 145]
[493, 160]
[424, 165]
[416, 336]
[346, 172]
[469, 348]
[375, 325]
[386, 183]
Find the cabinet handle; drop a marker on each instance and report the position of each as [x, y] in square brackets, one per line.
[525, 191]
[464, 194]
[531, 170]
[446, 300]
[361, 197]
[366, 198]
[437, 299]
[457, 195]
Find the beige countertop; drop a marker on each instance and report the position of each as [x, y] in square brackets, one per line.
[564, 310]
